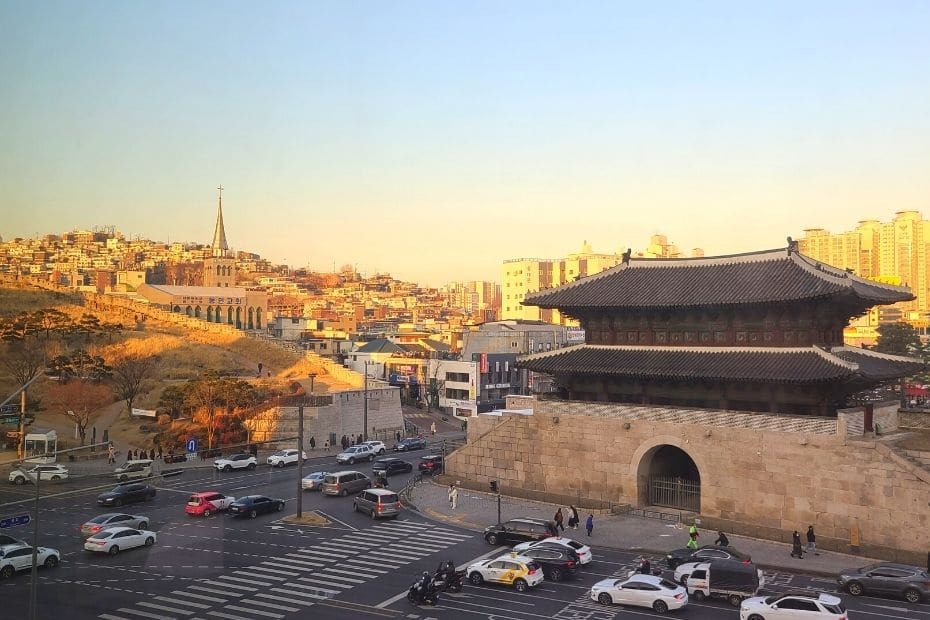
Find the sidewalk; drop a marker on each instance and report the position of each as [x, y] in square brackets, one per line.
[475, 511]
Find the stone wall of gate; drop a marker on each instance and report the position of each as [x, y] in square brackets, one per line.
[761, 475]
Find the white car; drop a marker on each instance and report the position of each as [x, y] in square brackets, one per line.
[353, 454]
[15, 558]
[642, 591]
[511, 569]
[683, 571]
[284, 457]
[377, 446]
[583, 551]
[45, 472]
[118, 539]
[236, 461]
[793, 607]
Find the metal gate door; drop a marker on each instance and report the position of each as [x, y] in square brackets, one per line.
[675, 493]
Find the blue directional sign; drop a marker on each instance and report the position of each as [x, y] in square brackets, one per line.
[191, 445]
[14, 521]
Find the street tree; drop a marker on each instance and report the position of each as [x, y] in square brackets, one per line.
[79, 364]
[131, 373]
[80, 401]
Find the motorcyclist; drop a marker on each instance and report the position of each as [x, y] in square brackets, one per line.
[644, 565]
[424, 586]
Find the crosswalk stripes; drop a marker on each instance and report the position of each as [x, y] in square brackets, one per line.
[293, 581]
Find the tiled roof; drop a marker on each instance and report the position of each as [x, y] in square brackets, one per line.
[755, 278]
[770, 365]
[380, 345]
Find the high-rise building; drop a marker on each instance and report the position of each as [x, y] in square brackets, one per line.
[895, 251]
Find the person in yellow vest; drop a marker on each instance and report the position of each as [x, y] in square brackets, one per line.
[693, 536]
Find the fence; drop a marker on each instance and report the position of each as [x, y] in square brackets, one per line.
[675, 493]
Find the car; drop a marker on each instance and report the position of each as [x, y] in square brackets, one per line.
[175, 458]
[139, 468]
[45, 472]
[511, 569]
[408, 444]
[206, 503]
[236, 461]
[353, 454]
[793, 606]
[18, 557]
[430, 464]
[313, 481]
[641, 591]
[116, 539]
[254, 505]
[345, 482]
[377, 503]
[557, 562]
[113, 519]
[284, 457]
[583, 551]
[517, 531]
[126, 494]
[912, 583]
[704, 554]
[377, 447]
[391, 465]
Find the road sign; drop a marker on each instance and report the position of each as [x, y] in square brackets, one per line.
[14, 521]
[12, 419]
[14, 408]
[191, 445]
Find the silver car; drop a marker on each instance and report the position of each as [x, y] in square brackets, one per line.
[377, 503]
[114, 519]
[313, 482]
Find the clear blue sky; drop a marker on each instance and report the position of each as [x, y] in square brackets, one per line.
[436, 139]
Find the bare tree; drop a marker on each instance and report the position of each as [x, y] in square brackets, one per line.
[130, 374]
[80, 401]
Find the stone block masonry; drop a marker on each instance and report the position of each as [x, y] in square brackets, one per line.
[760, 475]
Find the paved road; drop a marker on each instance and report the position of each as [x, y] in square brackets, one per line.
[224, 568]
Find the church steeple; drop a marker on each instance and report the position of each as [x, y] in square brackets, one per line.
[220, 247]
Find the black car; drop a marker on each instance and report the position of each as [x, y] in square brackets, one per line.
[390, 466]
[704, 554]
[517, 531]
[911, 583]
[254, 505]
[431, 464]
[126, 494]
[557, 561]
[411, 443]
[175, 458]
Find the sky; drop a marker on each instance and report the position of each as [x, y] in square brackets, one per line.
[434, 140]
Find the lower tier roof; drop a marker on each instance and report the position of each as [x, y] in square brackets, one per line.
[769, 365]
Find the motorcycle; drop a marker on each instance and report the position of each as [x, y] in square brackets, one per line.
[446, 580]
[419, 595]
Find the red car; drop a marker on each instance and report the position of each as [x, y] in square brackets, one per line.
[430, 464]
[207, 502]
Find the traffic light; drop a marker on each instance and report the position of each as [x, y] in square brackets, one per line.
[494, 486]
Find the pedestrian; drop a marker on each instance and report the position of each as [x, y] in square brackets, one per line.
[811, 540]
[397, 436]
[159, 451]
[453, 495]
[796, 550]
[558, 519]
[693, 533]
[645, 566]
[722, 540]
[111, 454]
[551, 529]
[432, 428]
[312, 443]
[326, 445]
[573, 519]
[589, 524]
[692, 542]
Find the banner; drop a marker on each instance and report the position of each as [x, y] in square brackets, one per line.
[143, 413]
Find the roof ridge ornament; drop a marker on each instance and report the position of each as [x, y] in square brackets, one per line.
[792, 246]
[626, 256]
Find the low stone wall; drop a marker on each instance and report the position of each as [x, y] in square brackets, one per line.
[758, 476]
[914, 419]
[884, 415]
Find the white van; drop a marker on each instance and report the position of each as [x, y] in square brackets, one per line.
[140, 468]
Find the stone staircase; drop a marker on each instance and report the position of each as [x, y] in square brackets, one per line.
[919, 457]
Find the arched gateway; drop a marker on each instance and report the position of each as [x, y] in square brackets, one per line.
[668, 477]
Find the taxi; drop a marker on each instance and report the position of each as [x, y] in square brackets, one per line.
[511, 569]
[206, 503]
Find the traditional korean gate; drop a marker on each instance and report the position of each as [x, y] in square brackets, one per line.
[676, 493]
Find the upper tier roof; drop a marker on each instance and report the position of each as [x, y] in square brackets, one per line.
[770, 365]
[769, 276]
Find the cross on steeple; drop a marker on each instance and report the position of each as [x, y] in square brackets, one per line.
[221, 192]
[220, 247]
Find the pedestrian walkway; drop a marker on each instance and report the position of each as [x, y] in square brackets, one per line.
[293, 582]
[476, 510]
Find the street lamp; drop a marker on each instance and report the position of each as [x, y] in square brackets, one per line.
[365, 407]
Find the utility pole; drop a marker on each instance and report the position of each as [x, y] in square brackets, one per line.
[300, 460]
[365, 406]
[34, 575]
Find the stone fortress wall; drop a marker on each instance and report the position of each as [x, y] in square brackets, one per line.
[761, 475]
